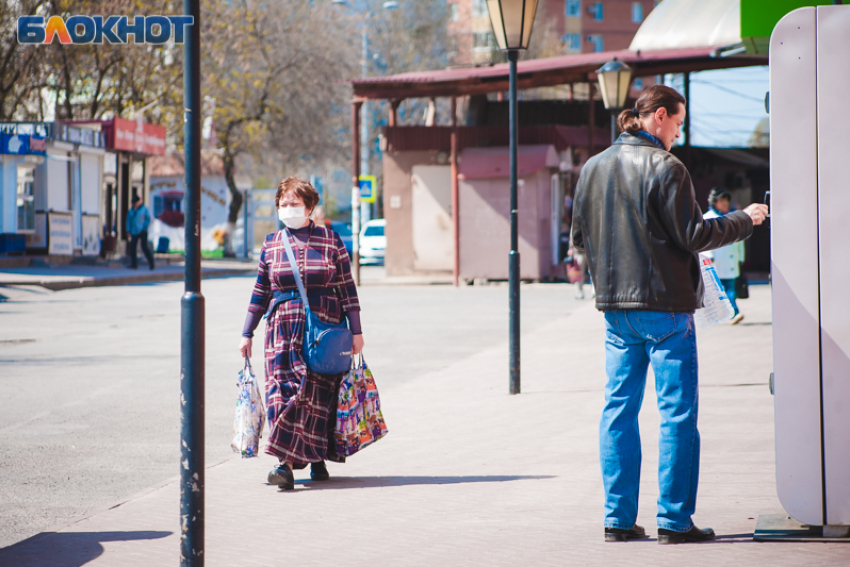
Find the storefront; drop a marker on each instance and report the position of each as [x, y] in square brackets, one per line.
[126, 173]
[20, 155]
[68, 187]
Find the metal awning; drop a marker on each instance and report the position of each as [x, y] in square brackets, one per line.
[552, 71]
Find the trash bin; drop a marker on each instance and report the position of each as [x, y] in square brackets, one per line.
[162, 245]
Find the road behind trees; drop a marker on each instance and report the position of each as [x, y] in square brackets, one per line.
[89, 378]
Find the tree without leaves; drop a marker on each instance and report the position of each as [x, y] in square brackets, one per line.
[271, 70]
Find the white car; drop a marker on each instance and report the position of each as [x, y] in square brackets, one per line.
[373, 242]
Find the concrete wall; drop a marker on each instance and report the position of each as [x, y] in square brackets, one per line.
[398, 208]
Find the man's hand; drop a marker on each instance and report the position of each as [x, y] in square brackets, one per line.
[757, 212]
[245, 347]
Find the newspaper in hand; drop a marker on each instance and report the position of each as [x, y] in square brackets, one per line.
[716, 305]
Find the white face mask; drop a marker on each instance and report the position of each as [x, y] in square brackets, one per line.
[293, 217]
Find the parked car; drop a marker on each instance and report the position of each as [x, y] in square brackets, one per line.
[373, 242]
[344, 232]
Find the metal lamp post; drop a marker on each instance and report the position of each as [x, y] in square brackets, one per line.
[512, 21]
[614, 78]
[192, 311]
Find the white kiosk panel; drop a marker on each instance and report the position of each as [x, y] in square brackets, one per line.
[833, 83]
[794, 265]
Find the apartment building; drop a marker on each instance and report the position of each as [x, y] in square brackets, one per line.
[583, 26]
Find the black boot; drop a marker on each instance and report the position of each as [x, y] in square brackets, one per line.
[319, 471]
[694, 535]
[281, 475]
[620, 534]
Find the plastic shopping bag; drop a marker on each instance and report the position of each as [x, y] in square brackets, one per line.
[716, 305]
[250, 415]
[359, 421]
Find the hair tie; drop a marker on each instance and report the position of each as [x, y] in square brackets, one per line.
[635, 112]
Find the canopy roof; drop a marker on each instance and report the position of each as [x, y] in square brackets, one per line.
[676, 24]
[547, 72]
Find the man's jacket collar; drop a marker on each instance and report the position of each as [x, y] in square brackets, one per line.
[627, 139]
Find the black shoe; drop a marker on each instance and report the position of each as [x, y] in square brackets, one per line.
[319, 471]
[281, 475]
[694, 535]
[619, 534]
[132, 267]
[151, 266]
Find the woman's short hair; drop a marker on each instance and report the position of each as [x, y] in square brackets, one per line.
[300, 187]
[716, 194]
[650, 100]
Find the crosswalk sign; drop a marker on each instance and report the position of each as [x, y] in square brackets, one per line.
[368, 188]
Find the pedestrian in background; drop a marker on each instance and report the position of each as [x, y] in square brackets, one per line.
[727, 260]
[637, 219]
[138, 221]
[301, 404]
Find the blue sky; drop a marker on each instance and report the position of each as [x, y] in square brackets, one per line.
[726, 105]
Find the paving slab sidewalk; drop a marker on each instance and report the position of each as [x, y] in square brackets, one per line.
[472, 476]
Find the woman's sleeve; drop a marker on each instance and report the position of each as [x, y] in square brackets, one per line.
[259, 297]
[344, 280]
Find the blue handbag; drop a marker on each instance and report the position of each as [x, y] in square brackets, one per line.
[327, 347]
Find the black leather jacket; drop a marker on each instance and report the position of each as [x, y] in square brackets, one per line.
[636, 217]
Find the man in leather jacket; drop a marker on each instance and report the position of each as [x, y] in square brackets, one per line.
[636, 218]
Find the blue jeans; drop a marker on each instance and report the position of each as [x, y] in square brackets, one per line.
[633, 340]
[729, 287]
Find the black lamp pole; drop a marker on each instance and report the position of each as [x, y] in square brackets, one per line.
[192, 310]
[614, 113]
[513, 265]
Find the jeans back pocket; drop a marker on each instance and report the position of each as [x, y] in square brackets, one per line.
[655, 325]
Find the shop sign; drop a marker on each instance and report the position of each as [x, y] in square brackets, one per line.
[61, 232]
[82, 136]
[21, 144]
[138, 137]
[41, 129]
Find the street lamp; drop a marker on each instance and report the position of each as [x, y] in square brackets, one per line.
[512, 21]
[192, 331]
[614, 78]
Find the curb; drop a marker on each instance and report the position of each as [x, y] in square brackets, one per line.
[126, 280]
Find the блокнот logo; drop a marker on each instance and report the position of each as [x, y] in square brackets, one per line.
[81, 30]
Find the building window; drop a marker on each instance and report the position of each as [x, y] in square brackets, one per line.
[596, 40]
[637, 84]
[573, 8]
[26, 207]
[482, 41]
[572, 41]
[454, 11]
[479, 8]
[595, 10]
[637, 12]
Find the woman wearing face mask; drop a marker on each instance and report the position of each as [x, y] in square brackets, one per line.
[301, 404]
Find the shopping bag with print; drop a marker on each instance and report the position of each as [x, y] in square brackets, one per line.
[250, 415]
[359, 420]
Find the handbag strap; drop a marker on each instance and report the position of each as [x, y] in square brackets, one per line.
[294, 265]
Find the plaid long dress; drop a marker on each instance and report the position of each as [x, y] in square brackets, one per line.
[300, 403]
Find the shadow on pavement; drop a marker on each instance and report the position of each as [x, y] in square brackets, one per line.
[341, 482]
[65, 549]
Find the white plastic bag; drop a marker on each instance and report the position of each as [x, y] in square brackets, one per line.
[716, 305]
[250, 415]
